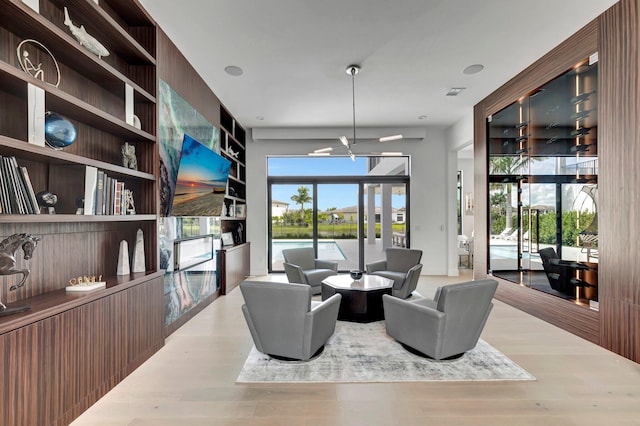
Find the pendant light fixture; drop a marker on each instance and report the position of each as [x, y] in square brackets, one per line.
[352, 70]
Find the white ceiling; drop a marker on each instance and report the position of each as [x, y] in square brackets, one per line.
[294, 54]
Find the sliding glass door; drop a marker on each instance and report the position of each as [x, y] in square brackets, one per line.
[351, 222]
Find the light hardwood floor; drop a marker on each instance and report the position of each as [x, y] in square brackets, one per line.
[191, 381]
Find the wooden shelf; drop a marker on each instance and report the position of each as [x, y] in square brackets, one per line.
[106, 30]
[23, 149]
[24, 22]
[240, 200]
[72, 218]
[88, 327]
[237, 180]
[233, 218]
[55, 302]
[14, 81]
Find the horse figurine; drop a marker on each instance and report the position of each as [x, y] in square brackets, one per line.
[8, 248]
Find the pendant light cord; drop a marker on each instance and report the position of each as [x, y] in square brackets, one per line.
[353, 97]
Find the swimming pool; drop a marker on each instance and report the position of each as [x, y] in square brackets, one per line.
[327, 249]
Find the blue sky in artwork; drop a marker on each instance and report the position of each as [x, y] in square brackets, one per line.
[201, 166]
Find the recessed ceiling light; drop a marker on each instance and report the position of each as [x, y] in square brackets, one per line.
[422, 117]
[455, 91]
[473, 69]
[233, 70]
[259, 118]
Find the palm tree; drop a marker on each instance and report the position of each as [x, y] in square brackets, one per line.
[301, 198]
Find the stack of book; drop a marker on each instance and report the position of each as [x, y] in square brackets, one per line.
[16, 192]
[104, 194]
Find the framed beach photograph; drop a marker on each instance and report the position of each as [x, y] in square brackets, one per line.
[227, 239]
[241, 210]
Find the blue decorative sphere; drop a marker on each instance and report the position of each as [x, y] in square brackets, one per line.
[58, 131]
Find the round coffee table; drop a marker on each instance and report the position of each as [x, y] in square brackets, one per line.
[361, 299]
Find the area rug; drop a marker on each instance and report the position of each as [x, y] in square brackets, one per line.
[359, 353]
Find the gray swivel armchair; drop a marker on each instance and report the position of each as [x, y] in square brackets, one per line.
[402, 266]
[302, 267]
[283, 321]
[445, 327]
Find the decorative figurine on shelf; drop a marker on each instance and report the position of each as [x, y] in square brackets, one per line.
[37, 71]
[80, 204]
[123, 259]
[8, 248]
[47, 201]
[233, 154]
[59, 132]
[85, 283]
[129, 159]
[129, 206]
[137, 263]
[239, 230]
[136, 122]
[89, 42]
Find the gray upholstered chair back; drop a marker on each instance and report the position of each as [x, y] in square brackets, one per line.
[282, 321]
[277, 312]
[446, 326]
[401, 259]
[304, 257]
[467, 306]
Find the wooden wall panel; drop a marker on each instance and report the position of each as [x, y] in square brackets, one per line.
[568, 316]
[559, 312]
[481, 188]
[234, 266]
[66, 362]
[617, 34]
[176, 70]
[619, 180]
[88, 241]
[573, 50]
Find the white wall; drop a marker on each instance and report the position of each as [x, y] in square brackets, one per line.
[458, 136]
[432, 162]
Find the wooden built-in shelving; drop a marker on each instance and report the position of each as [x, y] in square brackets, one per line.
[82, 334]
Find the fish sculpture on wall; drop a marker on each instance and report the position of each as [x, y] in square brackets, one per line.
[86, 40]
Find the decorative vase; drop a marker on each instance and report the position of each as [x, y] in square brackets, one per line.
[356, 274]
[59, 132]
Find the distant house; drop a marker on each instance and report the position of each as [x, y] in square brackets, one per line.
[397, 215]
[278, 208]
[350, 214]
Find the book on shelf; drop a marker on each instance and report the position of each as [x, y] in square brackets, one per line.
[100, 193]
[23, 196]
[16, 191]
[108, 196]
[15, 206]
[5, 202]
[90, 189]
[24, 174]
[117, 199]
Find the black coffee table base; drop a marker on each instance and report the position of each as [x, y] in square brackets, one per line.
[358, 305]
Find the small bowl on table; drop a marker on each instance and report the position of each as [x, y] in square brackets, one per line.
[355, 274]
